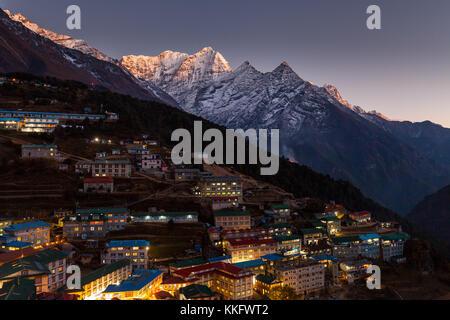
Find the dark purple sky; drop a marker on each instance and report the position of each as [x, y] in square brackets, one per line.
[402, 70]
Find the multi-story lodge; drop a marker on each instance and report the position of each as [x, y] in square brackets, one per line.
[117, 218]
[105, 168]
[392, 245]
[47, 268]
[134, 250]
[85, 226]
[151, 161]
[35, 151]
[361, 217]
[4, 223]
[141, 284]
[51, 115]
[311, 236]
[288, 244]
[243, 249]
[93, 284]
[98, 185]
[227, 188]
[305, 277]
[332, 224]
[164, 217]
[232, 219]
[35, 232]
[229, 281]
[366, 245]
[111, 168]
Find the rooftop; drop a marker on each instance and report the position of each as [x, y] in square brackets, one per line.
[266, 279]
[231, 213]
[127, 243]
[43, 146]
[27, 225]
[101, 210]
[138, 280]
[280, 206]
[103, 271]
[250, 263]
[196, 291]
[98, 180]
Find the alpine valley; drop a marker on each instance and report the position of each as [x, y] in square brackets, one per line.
[396, 163]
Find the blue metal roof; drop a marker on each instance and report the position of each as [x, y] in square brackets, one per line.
[322, 257]
[27, 225]
[138, 280]
[369, 236]
[127, 243]
[273, 257]
[219, 258]
[250, 263]
[18, 244]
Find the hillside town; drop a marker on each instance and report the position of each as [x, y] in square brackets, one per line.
[201, 232]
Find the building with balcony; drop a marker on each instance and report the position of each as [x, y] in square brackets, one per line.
[134, 250]
[227, 280]
[35, 232]
[232, 219]
[141, 284]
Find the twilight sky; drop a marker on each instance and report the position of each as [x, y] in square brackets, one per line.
[402, 70]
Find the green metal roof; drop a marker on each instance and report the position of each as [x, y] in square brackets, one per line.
[44, 146]
[18, 289]
[189, 263]
[266, 279]
[332, 218]
[280, 206]
[278, 226]
[395, 236]
[36, 262]
[101, 210]
[169, 214]
[338, 240]
[196, 291]
[231, 213]
[286, 238]
[310, 231]
[103, 271]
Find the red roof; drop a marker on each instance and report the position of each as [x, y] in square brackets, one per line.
[13, 255]
[361, 213]
[173, 280]
[226, 269]
[225, 232]
[250, 241]
[98, 180]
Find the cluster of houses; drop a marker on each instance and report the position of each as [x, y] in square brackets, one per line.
[45, 122]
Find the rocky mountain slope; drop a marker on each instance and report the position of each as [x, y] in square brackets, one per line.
[318, 127]
[433, 214]
[26, 47]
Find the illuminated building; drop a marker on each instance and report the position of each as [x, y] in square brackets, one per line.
[85, 226]
[98, 185]
[141, 284]
[93, 284]
[361, 217]
[164, 217]
[36, 232]
[135, 250]
[227, 188]
[47, 268]
[392, 245]
[244, 249]
[197, 292]
[264, 284]
[39, 151]
[333, 224]
[312, 235]
[304, 277]
[225, 279]
[232, 219]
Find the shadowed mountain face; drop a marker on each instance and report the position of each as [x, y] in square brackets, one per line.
[22, 50]
[433, 214]
[318, 127]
